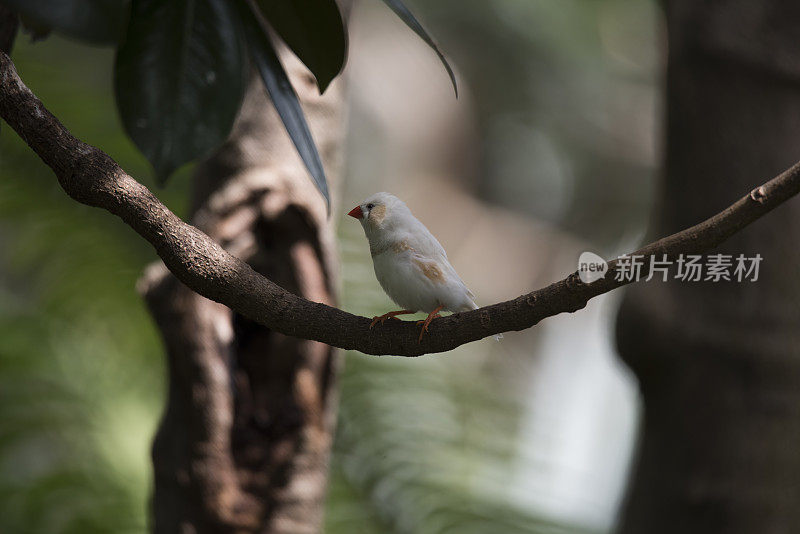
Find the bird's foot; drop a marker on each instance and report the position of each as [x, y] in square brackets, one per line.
[427, 321]
[431, 316]
[389, 315]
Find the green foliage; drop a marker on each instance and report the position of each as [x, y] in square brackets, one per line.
[179, 79]
[430, 444]
[181, 67]
[95, 21]
[81, 370]
[285, 100]
[314, 31]
[79, 394]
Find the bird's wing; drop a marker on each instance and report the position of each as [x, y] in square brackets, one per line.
[424, 243]
[430, 259]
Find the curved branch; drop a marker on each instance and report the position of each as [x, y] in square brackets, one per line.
[90, 176]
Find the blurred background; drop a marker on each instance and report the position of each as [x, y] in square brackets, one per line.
[550, 150]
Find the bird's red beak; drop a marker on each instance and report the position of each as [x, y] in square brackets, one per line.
[356, 212]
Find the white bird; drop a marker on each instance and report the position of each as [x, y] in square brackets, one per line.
[410, 264]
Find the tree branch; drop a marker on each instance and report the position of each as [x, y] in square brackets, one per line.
[92, 177]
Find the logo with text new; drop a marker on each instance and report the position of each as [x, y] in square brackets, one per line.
[591, 267]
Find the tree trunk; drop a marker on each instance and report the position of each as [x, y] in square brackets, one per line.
[245, 439]
[719, 363]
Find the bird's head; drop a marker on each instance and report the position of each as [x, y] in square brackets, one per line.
[380, 213]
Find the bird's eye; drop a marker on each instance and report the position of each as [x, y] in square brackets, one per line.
[370, 206]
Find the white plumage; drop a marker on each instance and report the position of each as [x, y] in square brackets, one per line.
[410, 264]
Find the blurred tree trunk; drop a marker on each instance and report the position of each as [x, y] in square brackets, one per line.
[719, 363]
[245, 439]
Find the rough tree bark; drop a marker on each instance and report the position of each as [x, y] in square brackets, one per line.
[719, 363]
[245, 439]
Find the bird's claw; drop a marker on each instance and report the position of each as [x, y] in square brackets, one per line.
[422, 330]
[382, 319]
[388, 315]
[425, 322]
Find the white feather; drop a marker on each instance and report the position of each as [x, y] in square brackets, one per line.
[410, 263]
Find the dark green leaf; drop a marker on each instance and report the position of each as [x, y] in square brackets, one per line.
[34, 28]
[314, 31]
[407, 17]
[96, 21]
[179, 79]
[280, 90]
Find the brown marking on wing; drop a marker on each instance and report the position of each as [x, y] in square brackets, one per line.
[401, 246]
[377, 214]
[431, 270]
